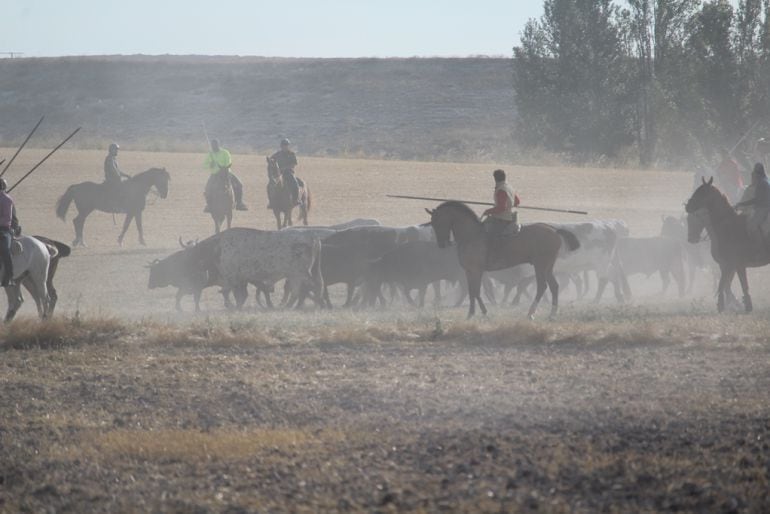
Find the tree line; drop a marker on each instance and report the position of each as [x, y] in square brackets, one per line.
[659, 81]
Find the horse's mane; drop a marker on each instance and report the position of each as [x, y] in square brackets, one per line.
[148, 172]
[454, 204]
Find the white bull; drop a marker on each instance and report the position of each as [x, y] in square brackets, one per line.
[244, 256]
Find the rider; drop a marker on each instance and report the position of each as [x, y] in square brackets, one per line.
[729, 175]
[760, 203]
[113, 176]
[219, 159]
[9, 226]
[287, 161]
[500, 217]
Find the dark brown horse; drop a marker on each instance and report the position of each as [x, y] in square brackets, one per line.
[537, 244]
[731, 245]
[130, 199]
[279, 196]
[221, 200]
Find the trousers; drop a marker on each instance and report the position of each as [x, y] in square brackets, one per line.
[6, 238]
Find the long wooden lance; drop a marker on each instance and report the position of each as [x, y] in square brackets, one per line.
[548, 209]
[44, 159]
[22, 146]
[736, 145]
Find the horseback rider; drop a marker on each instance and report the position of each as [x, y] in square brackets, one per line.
[287, 161]
[759, 201]
[113, 175]
[9, 226]
[729, 175]
[219, 159]
[501, 218]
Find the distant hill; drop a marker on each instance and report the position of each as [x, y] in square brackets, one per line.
[442, 109]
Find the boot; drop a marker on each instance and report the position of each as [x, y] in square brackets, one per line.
[240, 206]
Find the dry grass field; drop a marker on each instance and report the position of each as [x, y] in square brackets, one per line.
[120, 404]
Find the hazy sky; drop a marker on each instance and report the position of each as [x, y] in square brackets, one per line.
[323, 28]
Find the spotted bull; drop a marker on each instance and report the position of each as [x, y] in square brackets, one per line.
[240, 256]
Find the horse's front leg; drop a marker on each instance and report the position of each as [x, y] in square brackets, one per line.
[745, 286]
[474, 290]
[126, 224]
[277, 215]
[541, 281]
[140, 229]
[725, 280]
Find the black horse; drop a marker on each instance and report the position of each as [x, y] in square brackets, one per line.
[130, 198]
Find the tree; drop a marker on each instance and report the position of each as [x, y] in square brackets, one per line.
[569, 76]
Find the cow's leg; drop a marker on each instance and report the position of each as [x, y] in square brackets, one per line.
[277, 215]
[421, 296]
[229, 220]
[240, 293]
[437, 293]
[745, 286]
[126, 224]
[542, 282]
[665, 278]
[179, 295]
[197, 297]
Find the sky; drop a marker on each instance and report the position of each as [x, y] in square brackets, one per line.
[281, 28]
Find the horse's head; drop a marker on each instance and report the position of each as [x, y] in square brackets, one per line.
[273, 171]
[159, 178]
[696, 223]
[703, 196]
[442, 228]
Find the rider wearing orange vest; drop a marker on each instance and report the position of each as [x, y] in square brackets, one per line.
[501, 215]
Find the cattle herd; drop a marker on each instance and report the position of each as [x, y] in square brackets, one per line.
[381, 265]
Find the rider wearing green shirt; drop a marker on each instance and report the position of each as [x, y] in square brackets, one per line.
[219, 159]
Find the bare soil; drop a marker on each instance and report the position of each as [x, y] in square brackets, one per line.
[121, 405]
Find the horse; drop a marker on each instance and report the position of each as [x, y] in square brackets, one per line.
[221, 200]
[731, 246]
[280, 199]
[537, 244]
[132, 199]
[30, 267]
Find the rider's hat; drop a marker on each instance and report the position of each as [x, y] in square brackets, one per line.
[114, 147]
[285, 142]
[3, 184]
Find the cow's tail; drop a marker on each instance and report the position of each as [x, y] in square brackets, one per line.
[571, 239]
[63, 204]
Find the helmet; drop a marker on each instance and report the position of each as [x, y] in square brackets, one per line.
[285, 142]
[3, 184]
[114, 148]
[499, 175]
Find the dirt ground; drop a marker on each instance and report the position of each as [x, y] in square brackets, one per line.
[122, 405]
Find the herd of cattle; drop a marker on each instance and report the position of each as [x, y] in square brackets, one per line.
[380, 264]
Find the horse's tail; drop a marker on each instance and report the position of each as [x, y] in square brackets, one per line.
[63, 204]
[571, 239]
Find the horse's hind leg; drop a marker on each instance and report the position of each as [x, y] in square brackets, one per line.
[79, 222]
[553, 285]
[541, 285]
[126, 224]
[140, 229]
[745, 286]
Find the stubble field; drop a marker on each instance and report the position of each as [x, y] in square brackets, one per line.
[121, 404]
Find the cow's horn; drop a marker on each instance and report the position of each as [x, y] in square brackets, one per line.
[181, 243]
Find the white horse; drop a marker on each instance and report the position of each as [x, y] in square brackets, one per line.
[30, 267]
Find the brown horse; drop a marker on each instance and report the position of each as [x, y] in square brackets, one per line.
[130, 199]
[537, 244]
[280, 199]
[221, 200]
[731, 245]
